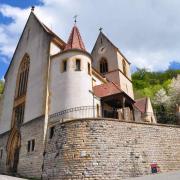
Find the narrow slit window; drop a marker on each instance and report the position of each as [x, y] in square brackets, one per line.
[33, 145]
[51, 133]
[78, 64]
[29, 146]
[64, 65]
[98, 113]
[89, 69]
[1, 153]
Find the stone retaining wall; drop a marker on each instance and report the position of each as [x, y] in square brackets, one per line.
[30, 163]
[3, 143]
[109, 149]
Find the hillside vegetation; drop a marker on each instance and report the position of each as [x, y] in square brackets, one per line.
[164, 90]
[146, 83]
[1, 86]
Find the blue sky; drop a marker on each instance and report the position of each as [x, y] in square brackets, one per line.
[4, 60]
[147, 32]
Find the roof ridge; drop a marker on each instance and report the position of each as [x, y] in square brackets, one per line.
[101, 33]
[47, 29]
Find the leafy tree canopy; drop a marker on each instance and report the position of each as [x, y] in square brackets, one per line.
[146, 83]
[164, 90]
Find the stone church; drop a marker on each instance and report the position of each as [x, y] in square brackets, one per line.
[50, 81]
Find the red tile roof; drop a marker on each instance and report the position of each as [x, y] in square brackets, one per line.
[141, 104]
[75, 40]
[106, 89]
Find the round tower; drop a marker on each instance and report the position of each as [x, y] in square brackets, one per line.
[71, 80]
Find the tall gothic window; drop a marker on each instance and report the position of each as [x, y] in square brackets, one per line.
[124, 67]
[103, 66]
[19, 114]
[23, 76]
[21, 88]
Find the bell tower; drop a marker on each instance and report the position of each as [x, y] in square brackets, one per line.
[111, 63]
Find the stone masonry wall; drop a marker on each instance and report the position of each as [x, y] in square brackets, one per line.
[3, 143]
[30, 163]
[109, 149]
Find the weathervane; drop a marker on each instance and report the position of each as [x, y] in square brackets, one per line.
[75, 19]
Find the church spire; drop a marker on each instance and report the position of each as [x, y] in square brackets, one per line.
[75, 41]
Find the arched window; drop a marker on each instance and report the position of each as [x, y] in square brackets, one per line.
[103, 66]
[21, 88]
[14, 140]
[23, 77]
[124, 67]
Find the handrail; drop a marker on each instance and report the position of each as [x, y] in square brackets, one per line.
[71, 110]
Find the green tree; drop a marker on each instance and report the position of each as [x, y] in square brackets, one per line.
[146, 83]
[1, 86]
[166, 103]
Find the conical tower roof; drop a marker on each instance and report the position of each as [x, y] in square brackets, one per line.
[75, 41]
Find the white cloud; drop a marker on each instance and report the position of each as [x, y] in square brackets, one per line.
[148, 32]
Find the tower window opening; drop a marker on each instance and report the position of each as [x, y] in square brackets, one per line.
[64, 65]
[103, 66]
[78, 64]
[51, 133]
[124, 68]
[31, 145]
[1, 153]
[89, 69]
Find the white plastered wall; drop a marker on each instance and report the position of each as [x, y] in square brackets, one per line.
[71, 88]
[54, 49]
[35, 42]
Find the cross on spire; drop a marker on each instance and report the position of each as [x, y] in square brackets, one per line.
[100, 29]
[75, 19]
[32, 8]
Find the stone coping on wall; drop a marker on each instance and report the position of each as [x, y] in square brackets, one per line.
[64, 121]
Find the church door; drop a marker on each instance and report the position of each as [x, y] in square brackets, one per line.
[13, 149]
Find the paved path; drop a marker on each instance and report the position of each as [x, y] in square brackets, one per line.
[163, 176]
[3, 177]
